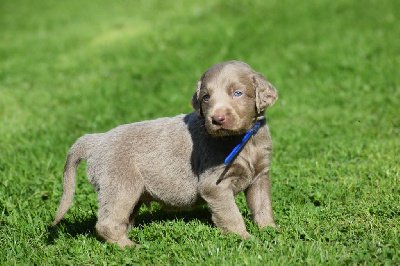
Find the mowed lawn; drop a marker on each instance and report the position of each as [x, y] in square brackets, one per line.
[68, 68]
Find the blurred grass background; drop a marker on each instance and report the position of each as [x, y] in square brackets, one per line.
[75, 67]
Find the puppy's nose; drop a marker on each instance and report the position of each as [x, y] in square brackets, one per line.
[218, 119]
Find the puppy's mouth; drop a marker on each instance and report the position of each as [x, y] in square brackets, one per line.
[220, 130]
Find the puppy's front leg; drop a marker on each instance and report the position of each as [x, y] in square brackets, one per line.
[225, 212]
[258, 197]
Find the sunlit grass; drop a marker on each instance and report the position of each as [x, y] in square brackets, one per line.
[76, 67]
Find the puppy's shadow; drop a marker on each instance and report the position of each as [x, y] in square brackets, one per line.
[201, 214]
[75, 226]
[72, 227]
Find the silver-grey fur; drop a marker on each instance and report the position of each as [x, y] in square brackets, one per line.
[179, 161]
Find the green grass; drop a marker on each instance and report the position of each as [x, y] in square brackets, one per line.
[68, 68]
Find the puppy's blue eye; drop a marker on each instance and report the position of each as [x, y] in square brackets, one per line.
[237, 93]
[206, 98]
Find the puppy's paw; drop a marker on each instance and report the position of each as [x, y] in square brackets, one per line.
[124, 242]
[245, 235]
[270, 226]
[264, 222]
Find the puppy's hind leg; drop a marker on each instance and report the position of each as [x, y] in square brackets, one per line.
[135, 211]
[116, 204]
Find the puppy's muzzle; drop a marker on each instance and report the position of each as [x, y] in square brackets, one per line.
[220, 117]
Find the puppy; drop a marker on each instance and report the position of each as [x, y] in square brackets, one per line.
[205, 157]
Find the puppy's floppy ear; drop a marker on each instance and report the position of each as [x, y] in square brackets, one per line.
[266, 94]
[196, 104]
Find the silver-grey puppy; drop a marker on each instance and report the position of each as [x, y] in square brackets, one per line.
[179, 161]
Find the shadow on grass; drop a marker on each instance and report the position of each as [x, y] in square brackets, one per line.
[201, 214]
[76, 226]
[72, 227]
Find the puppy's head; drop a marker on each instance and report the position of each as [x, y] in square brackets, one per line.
[232, 97]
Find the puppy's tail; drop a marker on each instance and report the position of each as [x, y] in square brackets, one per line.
[79, 151]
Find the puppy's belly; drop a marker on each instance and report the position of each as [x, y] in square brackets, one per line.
[178, 190]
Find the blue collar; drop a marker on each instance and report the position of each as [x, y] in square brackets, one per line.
[246, 137]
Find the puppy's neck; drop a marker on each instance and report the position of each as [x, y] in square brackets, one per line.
[243, 142]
